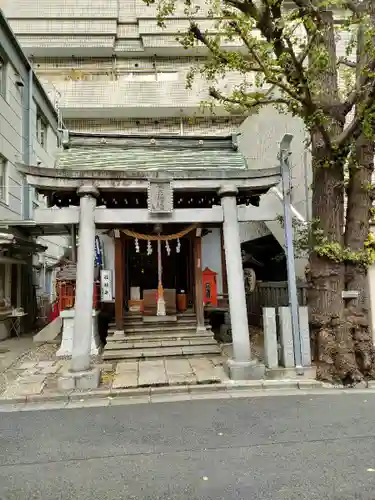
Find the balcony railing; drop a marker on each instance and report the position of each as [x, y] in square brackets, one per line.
[134, 99]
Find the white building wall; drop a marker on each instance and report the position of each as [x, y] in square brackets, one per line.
[11, 145]
[211, 255]
[45, 156]
[259, 143]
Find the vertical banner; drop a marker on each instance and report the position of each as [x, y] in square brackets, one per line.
[98, 252]
[106, 285]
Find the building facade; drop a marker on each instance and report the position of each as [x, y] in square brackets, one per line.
[110, 68]
[28, 133]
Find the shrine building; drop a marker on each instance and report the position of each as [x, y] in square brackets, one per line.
[156, 221]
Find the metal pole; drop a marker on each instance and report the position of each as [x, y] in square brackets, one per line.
[306, 183]
[74, 243]
[161, 302]
[288, 229]
[160, 271]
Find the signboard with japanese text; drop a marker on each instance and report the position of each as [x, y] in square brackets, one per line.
[160, 197]
[106, 285]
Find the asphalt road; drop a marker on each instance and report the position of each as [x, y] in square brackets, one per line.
[292, 447]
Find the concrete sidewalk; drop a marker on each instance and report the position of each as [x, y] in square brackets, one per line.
[102, 397]
[168, 394]
[30, 376]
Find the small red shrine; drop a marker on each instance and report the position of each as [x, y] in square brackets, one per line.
[66, 288]
[209, 279]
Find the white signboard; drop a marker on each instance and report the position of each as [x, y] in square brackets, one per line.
[160, 197]
[106, 285]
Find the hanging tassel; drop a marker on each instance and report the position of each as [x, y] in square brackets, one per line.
[136, 242]
[168, 248]
[178, 246]
[149, 247]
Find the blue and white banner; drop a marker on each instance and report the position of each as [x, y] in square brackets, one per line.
[98, 252]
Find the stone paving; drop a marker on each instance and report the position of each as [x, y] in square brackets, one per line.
[30, 370]
[26, 372]
[160, 372]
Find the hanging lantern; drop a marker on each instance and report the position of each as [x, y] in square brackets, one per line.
[149, 247]
[168, 248]
[136, 243]
[178, 246]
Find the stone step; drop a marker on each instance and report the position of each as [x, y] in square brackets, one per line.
[156, 329]
[145, 344]
[186, 315]
[121, 337]
[156, 326]
[162, 352]
[141, 323]
[176, 324]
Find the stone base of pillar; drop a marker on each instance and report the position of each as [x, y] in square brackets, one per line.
[66, 347]
[202, 330]
[245, 370]
[309, 373]
[86, 380]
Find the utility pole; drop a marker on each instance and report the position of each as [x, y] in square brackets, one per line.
[284, 154]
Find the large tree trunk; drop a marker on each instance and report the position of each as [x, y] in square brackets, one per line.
[333, 348]
[358, 216]
[334, 352]
[356, 233]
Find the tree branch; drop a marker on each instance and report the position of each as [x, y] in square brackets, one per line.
[266, 71]
[362, 93]
[214, 93]
[353, 6]
[247, 7]
[349, 133]
[346, 62]
[306, 8]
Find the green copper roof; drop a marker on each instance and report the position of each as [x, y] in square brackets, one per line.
[118, 152]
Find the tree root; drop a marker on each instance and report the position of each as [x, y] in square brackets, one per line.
[337, 361]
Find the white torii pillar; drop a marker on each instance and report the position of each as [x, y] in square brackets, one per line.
[241, 367]
[81, 375]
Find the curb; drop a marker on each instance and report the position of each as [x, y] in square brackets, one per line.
[167, 390]
[251, 388]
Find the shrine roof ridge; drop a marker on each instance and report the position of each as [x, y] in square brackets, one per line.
[72, 139]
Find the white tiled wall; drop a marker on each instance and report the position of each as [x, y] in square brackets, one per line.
[11, 144]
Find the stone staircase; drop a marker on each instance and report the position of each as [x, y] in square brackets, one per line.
[159, 339]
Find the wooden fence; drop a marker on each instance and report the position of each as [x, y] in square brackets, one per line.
[269, 294]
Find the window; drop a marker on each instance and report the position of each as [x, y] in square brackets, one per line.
[3, 77]
[139, 76]
[150, 76]
[3, 179]
[41, 128]
[2, 281]
[171, 76]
